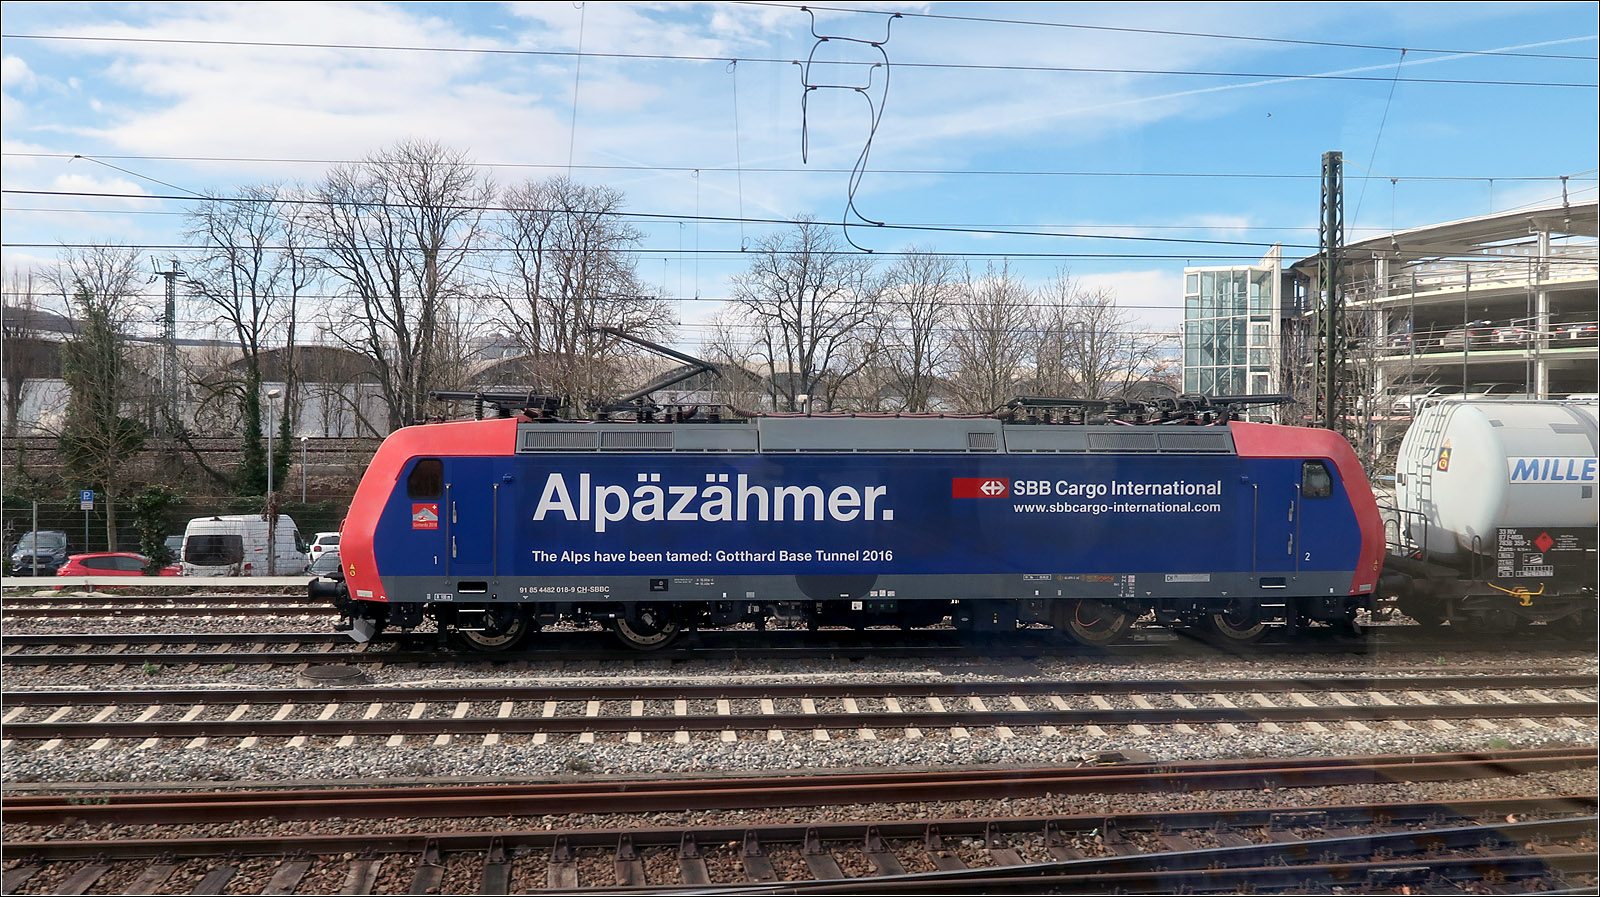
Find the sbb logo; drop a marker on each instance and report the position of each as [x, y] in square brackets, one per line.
[980, 487]
[1032, 487]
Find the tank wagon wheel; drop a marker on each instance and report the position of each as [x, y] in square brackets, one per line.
[1428, 612]
[1580, 627]
[648, 627]
[511, 633]
[1093, 622]
[1238, 623]
[1491, 623]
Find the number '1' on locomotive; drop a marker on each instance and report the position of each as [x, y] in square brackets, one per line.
[495, 528]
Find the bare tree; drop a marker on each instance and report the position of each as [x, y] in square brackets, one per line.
[806, 304]
[1089, 346]
[398, 228]
[1055, 332]
[97, 440]
[26, 356]
[915, 344]
[1110, 351]
[572, 269]
[989, 339]
[249, 273]
[1365, 339]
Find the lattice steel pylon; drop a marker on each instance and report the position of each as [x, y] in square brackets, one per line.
[169, 347]
[1330, 357]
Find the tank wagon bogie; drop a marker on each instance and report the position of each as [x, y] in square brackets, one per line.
[496, 528]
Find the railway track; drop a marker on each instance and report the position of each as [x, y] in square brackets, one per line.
[1512, 844]
[58, 607]
[821, 711]
[241, 648]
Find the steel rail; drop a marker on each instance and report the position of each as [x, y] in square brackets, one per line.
[116, 598]
[802, 791]
[497, 693]
[1327, 855]
[298, 609]
[1384, 860]
[531, 725]
[1278, 818]
[1421, 872]
[101, 639]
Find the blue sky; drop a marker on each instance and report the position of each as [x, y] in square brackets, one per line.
[664, 113]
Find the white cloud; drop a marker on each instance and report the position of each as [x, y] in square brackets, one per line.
[1154, 297]
[85, 183]
[12, 110]
[15, 74]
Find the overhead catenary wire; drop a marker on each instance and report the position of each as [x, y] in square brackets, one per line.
[994, 67]
[1208, 35]
[660, 216]
[1002, 224]
[685, 169]
[652, 216]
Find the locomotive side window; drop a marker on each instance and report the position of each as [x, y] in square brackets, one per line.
[426, 480]
[1315, 480]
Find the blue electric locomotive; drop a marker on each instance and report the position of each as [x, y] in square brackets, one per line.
[494, 528]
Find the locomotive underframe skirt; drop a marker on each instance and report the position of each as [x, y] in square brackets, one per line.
[1266, 589]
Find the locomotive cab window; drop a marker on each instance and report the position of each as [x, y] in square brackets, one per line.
[426, 480]
[1315, 480]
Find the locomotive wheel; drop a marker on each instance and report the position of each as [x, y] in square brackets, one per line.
[1350, 627]
[1239, 623]
[1093, 622]
[511, 633]
[648, 627]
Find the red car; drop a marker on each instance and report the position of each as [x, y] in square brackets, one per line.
[111, 563]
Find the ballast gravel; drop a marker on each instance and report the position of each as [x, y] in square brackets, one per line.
[272, 760]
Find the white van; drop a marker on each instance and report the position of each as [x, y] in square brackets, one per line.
[236, 545]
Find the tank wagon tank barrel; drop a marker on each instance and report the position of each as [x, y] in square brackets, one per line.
[1085, 516]
[1494, 521]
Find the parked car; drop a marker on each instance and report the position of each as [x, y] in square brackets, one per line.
[39, 554]
[1577, 332]
[1410, 401]
[1514, 334]
[1497, 391]
[111, 563]
[1475, 333]
[326, 563]
[322, 542]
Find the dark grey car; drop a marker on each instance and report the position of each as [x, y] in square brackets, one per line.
[41, 559]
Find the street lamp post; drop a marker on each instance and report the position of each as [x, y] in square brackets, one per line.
[272, 510]
[303, 469]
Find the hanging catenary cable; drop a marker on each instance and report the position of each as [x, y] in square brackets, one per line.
[875, 113]
[1385, 120]
[738, 161]
[577, 80]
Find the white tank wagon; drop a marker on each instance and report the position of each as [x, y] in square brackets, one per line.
[1494, 525]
